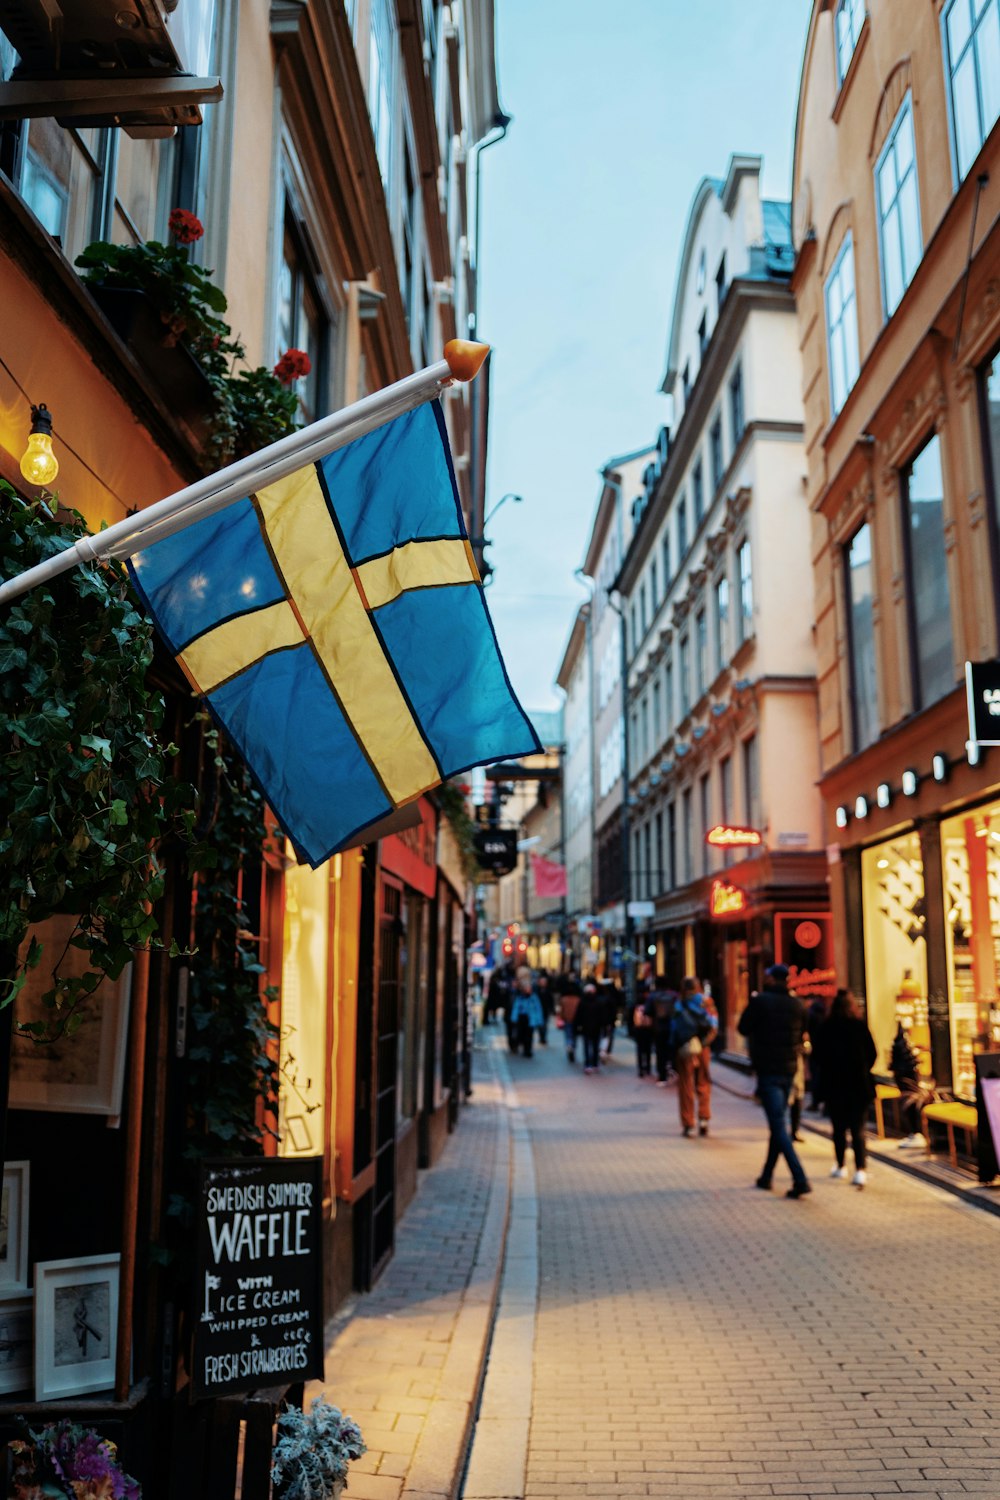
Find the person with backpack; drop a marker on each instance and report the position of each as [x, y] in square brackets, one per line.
[660, 1008]
[640, 1025]
[695, 1022]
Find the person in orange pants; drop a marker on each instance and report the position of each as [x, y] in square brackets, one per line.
[694, 1024]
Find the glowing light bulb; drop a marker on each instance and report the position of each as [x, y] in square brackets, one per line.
[39, 464]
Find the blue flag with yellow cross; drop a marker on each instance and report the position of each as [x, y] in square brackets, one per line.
[335, 623]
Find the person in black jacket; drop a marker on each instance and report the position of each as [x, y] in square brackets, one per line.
[846, 1053]
[774, 1024]
[660, 1004]
[589, 1021]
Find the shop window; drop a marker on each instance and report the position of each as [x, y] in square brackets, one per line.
[842, 327]
[972, 62]
[929, 594]
[895, 947]
[970, 862]
[301, 322]
[861, 637]
[849, 20]
[721, 622]
[900, 242]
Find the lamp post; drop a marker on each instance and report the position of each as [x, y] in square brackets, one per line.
[481, 541]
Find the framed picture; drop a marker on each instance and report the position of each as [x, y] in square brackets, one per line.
[82, 1073]
[76, 1325]
[14, 1229]
[16, 1334]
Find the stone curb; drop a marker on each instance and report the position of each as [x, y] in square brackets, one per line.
[442, 1450]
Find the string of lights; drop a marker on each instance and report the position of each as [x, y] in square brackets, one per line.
[39, 464]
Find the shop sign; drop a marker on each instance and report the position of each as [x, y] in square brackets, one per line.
[726, 900]
[730, 836]
[803, 942]
[496, 849]
[982, 684]
[259, 1275]
[642, 909]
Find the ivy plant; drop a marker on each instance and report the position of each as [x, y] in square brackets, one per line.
[85, 797]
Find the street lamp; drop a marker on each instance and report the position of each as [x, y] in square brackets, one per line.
[481, 541]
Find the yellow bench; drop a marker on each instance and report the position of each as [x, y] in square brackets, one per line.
[952, 1117]
[883, 1091]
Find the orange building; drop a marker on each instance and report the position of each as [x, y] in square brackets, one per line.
[896, 222]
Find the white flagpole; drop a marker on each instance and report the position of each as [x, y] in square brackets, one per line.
[462, 362]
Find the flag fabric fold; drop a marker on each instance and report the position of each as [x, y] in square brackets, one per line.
[549, 877]
[335, 623]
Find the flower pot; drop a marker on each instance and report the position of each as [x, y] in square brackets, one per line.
[173, 369]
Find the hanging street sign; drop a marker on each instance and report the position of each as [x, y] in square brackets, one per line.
[730, 836]
[982, 685]
[496, 849]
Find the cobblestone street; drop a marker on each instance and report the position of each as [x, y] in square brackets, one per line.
[696, 1336]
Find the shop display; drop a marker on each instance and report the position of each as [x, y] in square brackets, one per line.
[895, 946]
[970, 851]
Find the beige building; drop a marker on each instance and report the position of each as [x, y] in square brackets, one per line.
[896, 210]
[575, 678]
[721, 684]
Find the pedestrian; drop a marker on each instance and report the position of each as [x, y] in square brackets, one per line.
[905, 1067]
[640, 1026]
[543, 989]
[568, 1003]
[589, 1019]
[524, 1016]
[499, 992]
[609, 1016]
[660, 1005]
[694, 1024]
[846, 1052]
[773, 1024]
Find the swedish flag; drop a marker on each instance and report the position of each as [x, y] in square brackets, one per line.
[336, 625]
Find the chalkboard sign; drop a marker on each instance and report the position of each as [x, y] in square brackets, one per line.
[259, 1304]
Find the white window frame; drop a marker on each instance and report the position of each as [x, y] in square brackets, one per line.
[990, 12]
[890, 216]
[852, 13]
[838, 331]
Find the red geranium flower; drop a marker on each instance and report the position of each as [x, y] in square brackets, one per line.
[292, 364]
[184, 226]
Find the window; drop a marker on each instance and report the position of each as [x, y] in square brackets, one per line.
[657, 719]
[703, 823]
[667, 573]
[861, 637]
[686, 382]
[381, 84]
[703, 335]
[701, 650]
[410, 249]
[721, 622]
[737, 421]
[686, 833]
[726, 789]
[653, 588]
[991, 402]
[635, 631]
[671, 846]
[698, 489]
[685, 675]
[842, 326]
[715, 451]
[972, 53]
[849, 21]
[721, 285]
[751, 783]
[642, 608]
[301, 322]
[746, 592]
[648, 840]
[682, 529]
[637, 864]
[644, 742]
[668, 694]
[658, 872]
[900, 245]
[929, 596]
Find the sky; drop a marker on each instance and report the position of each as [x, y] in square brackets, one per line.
[619, 111]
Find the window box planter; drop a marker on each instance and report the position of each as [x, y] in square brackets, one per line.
[172, 368]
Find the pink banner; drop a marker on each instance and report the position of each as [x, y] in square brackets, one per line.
[550, 878]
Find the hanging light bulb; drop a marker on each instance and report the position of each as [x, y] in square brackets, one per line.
[39, 464]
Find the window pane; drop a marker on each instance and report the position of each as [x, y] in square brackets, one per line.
[909, 215]
[60, 181]
[959, 28]
[892, 262]
[864, 686]
[929, 577]
[904, 143]
[967, 137]
[887, 181]
[988, 46]
[851, 361]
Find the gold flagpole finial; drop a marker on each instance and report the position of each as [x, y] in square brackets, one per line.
[465, 359]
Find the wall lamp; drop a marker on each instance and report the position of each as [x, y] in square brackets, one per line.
[483, 541]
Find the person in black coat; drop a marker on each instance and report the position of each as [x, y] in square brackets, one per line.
[589, 1022]
[774, 1024]
[846, 1053]
[660, 1004]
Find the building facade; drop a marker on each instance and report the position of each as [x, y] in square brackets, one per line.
[721, 696]
[575, 678]
[336, 182]
[896, 212]
[610, 535]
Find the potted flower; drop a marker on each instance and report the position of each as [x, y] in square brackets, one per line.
[313, 1451]
[67, 1461]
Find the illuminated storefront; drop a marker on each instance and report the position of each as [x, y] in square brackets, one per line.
[970, 855]
[895, 950]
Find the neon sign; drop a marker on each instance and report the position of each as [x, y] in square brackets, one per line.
[728, 836]
[726, 900]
